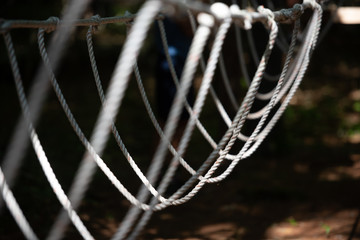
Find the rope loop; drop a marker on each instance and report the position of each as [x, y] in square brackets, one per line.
[54, 22]
[291, 14]
[270, 14]
[261, 9]
[220, 10]
[246, 16]
[311, 3]
[130, 22]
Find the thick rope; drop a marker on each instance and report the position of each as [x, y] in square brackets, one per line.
[15, 210]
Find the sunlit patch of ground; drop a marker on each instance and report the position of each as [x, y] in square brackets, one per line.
[340, 172]
[221, 231]
[317, 225]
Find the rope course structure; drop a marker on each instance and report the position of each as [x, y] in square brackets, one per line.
[210, 24]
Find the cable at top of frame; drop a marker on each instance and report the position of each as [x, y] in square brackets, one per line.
[242, 16]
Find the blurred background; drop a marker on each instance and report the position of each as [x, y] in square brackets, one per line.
[303, 182]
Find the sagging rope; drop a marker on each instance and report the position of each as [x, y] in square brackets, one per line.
[229, 138]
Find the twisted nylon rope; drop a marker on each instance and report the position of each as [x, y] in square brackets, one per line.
[199, 102]
[260, 113]
[77, 129]
[176, 82]
[82, 137]
[116, 90]
[237, 124]
[119, 83]
[254, 52]
[232, 133]
[38, 91]
[274, 100]
[282, 42]
[272, 37]
[84, 175]
[287, 61]
[214, 96]
[304, 56]
[196, 49]
[48, 171]
[277, 93]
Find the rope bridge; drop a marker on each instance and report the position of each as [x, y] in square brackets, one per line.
[210, 25]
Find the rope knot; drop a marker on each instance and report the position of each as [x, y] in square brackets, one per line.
[291, 14]
[220, 10]
[95, 23]
[3, 27]
[130, 22]
[270, 14]
[53, 23]
[246, 16]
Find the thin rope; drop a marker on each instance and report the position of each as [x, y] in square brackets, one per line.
[228, 134]
[48, 171]
[199, 102]
[238, 122]
[196, 48]
[290, 78]
[199, 125]
[91, 148]
[309, 42]
[38, 91]
[12, 24]
[85, 172]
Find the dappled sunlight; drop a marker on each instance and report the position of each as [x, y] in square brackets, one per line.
[317, 225]
[338, 173]
[220, 231]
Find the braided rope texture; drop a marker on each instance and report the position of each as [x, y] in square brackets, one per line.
[210, 28]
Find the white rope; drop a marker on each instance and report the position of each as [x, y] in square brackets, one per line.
[86, 171]
[289, 79]
[15, 210]
[98, 140]
[196, 49]
[48, 171]
[238, 123]
[199, 125]
[304, 54]
[199, 102]
[38, 91]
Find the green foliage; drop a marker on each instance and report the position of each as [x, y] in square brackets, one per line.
[327, 228]
[292, 221]
[356, 106]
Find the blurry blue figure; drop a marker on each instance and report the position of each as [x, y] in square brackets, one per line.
[179, 44]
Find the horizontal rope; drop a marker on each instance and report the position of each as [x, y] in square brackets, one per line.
[51, 22]
[248, 15]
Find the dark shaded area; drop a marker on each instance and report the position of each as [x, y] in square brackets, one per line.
[302, 184]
